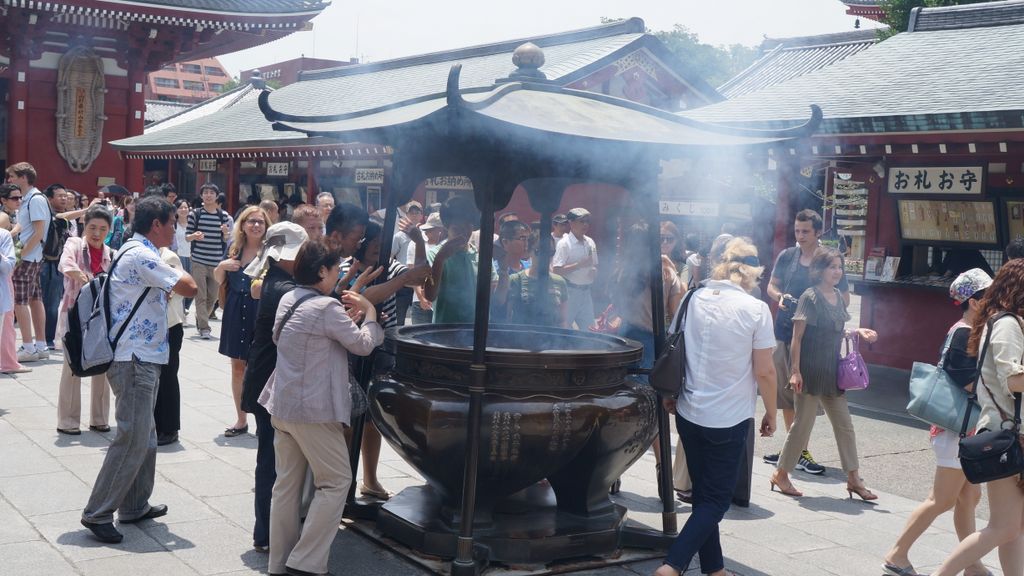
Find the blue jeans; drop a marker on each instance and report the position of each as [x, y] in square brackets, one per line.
[186, 265]
[713, 457]
[51, 281]
[266, 475]
[645, 337]
[125, 481]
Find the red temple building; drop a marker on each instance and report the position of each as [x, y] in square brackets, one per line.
[869, 9]
[73, 72]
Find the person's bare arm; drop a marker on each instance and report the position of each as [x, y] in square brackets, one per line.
[186, 286]
[39, 228]
[796, 379]
[774, 289]
[764, 373]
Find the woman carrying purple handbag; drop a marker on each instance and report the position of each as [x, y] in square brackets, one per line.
[820, 376]
[853, 371]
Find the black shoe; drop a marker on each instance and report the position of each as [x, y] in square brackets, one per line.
[153, 512]
[772, 459]
[165, 439]
[297, 572]
[104, 532]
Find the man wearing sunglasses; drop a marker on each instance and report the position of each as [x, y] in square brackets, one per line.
[33, 220]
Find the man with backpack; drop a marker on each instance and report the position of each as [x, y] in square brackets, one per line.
[208, 230]
[139, 282]
[52, 281]
[33, 220]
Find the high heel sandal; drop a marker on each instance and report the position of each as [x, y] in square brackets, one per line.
[792, 492]
[862, 491]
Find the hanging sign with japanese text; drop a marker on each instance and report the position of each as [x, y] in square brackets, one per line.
[941, 180]
[207, 165]
[277, 168]
[449, 183]
[369, 175]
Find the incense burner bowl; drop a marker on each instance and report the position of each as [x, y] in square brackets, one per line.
[558, 405]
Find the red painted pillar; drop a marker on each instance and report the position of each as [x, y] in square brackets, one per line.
[231, 183]
[134, 176]
[17, 114]
[311, 186]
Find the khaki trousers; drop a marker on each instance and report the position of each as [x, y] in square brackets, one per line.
[322, 449]
[69, 400]
[838, 412]
[207, 295]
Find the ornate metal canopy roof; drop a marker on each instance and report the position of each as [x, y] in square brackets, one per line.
[526, 113]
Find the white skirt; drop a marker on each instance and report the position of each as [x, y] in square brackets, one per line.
[947, 448]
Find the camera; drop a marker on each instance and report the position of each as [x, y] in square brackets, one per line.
[789, 302]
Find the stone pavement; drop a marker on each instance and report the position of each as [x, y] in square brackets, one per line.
[206, 480]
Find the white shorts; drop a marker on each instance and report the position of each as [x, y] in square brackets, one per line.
[947, 448]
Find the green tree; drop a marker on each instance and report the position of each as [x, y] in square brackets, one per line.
[229, 85]
[897, 12]
[715, 64]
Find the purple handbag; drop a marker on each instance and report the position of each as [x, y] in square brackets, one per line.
[853, 371]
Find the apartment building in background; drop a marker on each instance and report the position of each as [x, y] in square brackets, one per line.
[191, 82]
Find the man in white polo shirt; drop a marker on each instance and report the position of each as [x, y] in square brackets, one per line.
[576, 260]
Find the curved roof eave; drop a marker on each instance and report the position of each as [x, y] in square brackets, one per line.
[535, 110]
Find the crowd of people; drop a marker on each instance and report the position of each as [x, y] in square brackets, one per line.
[301, 297]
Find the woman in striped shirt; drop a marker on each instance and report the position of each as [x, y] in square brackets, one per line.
[355, 273]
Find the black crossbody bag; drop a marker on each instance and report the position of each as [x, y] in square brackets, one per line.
[992, 454]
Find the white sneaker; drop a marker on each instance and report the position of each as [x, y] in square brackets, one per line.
[204, 334]
[43, 354]
[25, 355]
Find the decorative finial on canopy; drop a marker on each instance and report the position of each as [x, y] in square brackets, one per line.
[528, 58]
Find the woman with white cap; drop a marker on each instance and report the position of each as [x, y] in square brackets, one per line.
[275, 263]
[951, 490]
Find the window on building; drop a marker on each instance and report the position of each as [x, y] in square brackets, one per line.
[170, 68]
[215, 87]
[193, 85]
[214, 72]
[165, 82]
[192, 68]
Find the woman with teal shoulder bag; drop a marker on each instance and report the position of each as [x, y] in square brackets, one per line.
[950, 490]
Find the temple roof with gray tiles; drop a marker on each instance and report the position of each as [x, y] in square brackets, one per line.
[787, 58]
[964, 75]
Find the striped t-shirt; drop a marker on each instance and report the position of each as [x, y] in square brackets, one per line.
[210, 250]
[388, 309]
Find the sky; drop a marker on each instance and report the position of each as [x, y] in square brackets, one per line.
[383, 29]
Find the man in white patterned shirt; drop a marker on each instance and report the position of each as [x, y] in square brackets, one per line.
[125, 481]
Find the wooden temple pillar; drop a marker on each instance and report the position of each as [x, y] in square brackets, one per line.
[18, 96]
[134, 168]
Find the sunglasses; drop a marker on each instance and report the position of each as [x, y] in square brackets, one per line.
[14, 198]
[667, 239]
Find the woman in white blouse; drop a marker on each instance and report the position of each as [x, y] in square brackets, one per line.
[729, 343]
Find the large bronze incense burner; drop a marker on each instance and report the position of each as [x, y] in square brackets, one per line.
[518, 430]
[559, 406]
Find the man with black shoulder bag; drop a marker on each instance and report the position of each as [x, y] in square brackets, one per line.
[790, 278]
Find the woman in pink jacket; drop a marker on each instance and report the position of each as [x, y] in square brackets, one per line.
[83, 258]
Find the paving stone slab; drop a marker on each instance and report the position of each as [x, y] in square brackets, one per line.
[33, 559]
[45, 493]
[14, 527]
[76, 543]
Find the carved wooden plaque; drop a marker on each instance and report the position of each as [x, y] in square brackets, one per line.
[81, 92]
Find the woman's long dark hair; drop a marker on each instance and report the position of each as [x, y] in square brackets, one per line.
[1006, 294]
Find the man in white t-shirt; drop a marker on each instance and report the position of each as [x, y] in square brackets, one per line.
[422, 310]
[33, 225]
[575, 260]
